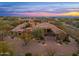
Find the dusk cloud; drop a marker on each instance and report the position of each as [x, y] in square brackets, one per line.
[39, 9]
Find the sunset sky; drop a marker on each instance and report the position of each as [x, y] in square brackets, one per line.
[39, 8]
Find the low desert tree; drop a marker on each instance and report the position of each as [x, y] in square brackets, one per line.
[26, 37]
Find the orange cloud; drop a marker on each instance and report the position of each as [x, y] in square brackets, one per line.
[71, 14]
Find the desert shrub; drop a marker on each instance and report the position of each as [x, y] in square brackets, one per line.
[74, 54]
[28, 54]
[5, 49]
[38, 33]
[51, 53]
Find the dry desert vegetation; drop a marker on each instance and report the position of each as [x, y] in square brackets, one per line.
[39, 36]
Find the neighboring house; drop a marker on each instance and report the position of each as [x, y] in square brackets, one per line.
[25, 27]
[19, 28]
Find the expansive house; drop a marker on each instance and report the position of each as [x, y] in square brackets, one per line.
[49, 29]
